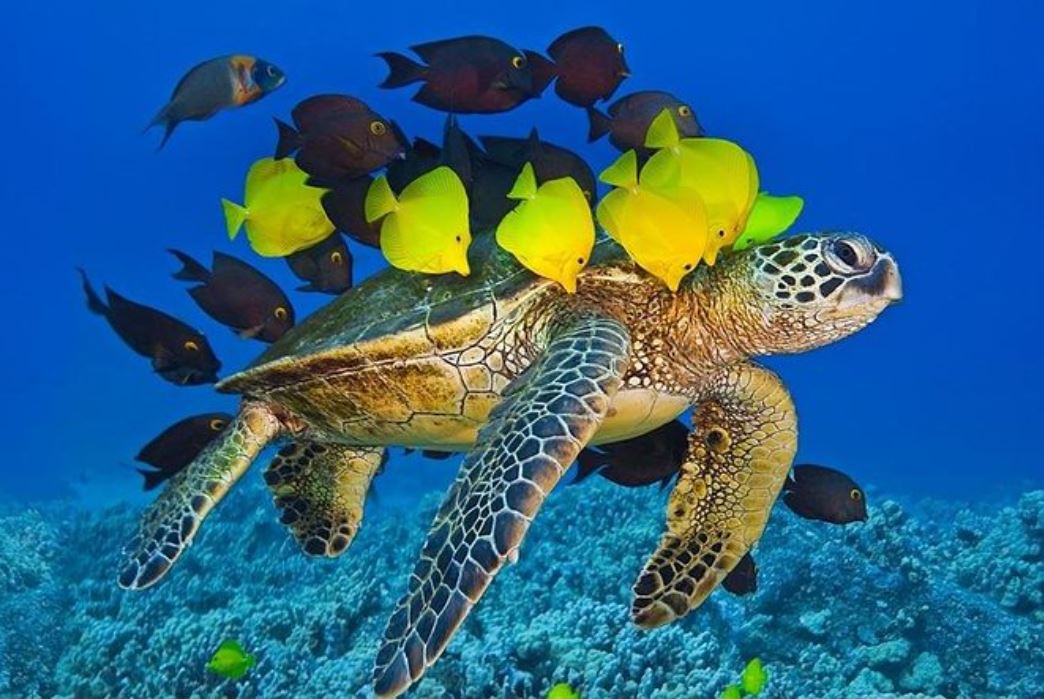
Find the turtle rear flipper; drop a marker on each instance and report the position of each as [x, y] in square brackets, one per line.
[321, 489]
[545, 418]
[740, 450]
[170, 523]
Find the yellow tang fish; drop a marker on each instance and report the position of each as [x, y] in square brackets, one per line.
[551, 232]
[719, 172]
[769, 217]
[282, 214]
[425, 228]
[664, 236]
[230, 660]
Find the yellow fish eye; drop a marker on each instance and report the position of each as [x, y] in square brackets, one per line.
[280, 313]
[377, 128]
[191, 346]
[519, 62]
[721, 233]
[217, 424]
[855, 494]
[685, 110]
[459, 239]
[687, 267]
[336, 257]
[619, 48]
[579, 260]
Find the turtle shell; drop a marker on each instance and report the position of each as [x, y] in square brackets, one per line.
[393, 301]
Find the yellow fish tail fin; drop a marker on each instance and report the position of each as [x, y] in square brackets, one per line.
[526, 185]
[663, 131]
[380, 200]
[623, 172]
[235, 216]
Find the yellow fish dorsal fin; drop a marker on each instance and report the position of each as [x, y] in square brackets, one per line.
[441, 183]
[623, 172]
[663, 132]
[525, 185]
[264, 171]
[380, 200]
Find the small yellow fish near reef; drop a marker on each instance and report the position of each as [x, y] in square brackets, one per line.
[230, 660]
[281, 213]
[720, 173]
[664, 233]
[425, 228]
[551, 232]
[769, 217]
[562, 690]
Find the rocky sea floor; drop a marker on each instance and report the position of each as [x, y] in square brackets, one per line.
[930, 599]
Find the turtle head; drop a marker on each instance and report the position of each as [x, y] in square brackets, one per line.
[814, 289]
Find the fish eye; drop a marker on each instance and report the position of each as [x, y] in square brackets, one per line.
[685, 110]
[579, 260]
[191, 346]
[377, 128]
[280, 313]
[336, 257]
[217, 424]
[271, 71]
[587, 194]
[519, 62]
[687, 267]
[721, 233]
[619, 48]
[855, 494]
[459, 239]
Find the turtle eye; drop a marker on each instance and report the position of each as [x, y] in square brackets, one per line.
[191, 346]
[518, 62]
[377, 128]
[848, 256]
[336, 257]
[685, 110]
[217, 424]
[280, 313]
[855, 494]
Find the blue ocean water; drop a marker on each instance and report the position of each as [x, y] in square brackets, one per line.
[915, 123]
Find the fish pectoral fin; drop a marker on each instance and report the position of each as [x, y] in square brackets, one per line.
[546, 416]
[743, 441]
[249, 333]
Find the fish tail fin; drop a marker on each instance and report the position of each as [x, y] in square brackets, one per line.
[289, 140]
[598, 124]
[191, 270]
[663, 132]
[623, 172]
[380, 200]
[168, 130]
[401, 70]
[587, 462]
[152, 478]
[235, 216]
[94, 302]
[164, 119]
[525, 186]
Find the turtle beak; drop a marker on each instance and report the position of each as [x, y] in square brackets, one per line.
[891, 282]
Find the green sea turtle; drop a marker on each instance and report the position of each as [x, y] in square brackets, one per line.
[522, 375]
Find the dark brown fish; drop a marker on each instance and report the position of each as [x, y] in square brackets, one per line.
[743, 579]
[220, 83]
[326, 266]
[824, 494]
[179, 353]
[550, 162]
[653, 457]
[470, 74]
[458, 152]
[590, 65]
[239, 296]
[345, 206]
[175, 447]
[488, 202]
[629, 119]
[337, 137]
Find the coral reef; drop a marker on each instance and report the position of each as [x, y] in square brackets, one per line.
[928, 599]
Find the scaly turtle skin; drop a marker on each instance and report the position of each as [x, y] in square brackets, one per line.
[523, 375]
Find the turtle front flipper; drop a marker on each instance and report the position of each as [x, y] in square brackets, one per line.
[740, 450]
[321, 489]
[170, 523]
[544, 419]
